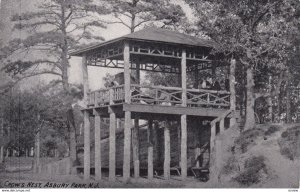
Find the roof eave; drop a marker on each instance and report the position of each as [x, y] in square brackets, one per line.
[87, 49]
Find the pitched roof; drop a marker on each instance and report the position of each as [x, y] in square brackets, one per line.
[157, 35]
[163, 35]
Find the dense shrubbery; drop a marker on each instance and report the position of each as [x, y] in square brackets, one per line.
[272, 129]
[252, 172]
[247, 137]
[288, 143]
[230, 166]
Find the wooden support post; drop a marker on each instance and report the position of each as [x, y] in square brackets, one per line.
[150, 149]
[87, 145]
[183, 78]
[197, 153]
[128, 124]
[112, 146]
[183, 156]
[98, 174]
[232, 91]
[212, 156]
[156, 148]
[212, 136]
[127, 142]
[86, 121]
[167, 159]
[135, 148]
[135, 135]
[127, 73]
[222, 126]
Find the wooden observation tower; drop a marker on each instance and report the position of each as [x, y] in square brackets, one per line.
[155, 50]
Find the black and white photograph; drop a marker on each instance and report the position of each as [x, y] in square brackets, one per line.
[155, 94]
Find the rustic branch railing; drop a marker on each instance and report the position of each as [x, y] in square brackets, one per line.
[158, 95]
[207, 98]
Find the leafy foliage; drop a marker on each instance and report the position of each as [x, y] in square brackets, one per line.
[144, 12]
[288, 143]
[253, 168]
[40, 110]
[259, 34]
[53, 29]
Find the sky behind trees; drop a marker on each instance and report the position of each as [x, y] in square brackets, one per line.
[96, 74]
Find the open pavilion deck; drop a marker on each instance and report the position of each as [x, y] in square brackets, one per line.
[154, 50]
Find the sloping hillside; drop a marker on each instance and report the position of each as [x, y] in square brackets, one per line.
[266, 156]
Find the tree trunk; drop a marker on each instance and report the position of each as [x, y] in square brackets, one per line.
[65, 65]
[72, 131]
[269, 101]
[288, 99]
[37, 152]
[250, 117]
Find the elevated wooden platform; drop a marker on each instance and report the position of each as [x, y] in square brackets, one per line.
[157, 101]
[157, 112]
[154, 50]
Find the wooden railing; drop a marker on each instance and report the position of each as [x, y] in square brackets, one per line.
[104, 97]
[158, 95]
[208, 98]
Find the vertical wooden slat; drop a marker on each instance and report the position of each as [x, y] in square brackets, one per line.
[135, 134]
[86, 120]
[127, 142]
[127, 125]
[98, 174]
[112, 146]
[183, 153]
[87, 144]
[150, 149]
[127, 73]
[222, 126]
[167, 154]
[135, 148]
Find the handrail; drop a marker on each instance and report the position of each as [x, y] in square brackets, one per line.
[208, 91]
[157, 87]
[173, 96]
[180, 89]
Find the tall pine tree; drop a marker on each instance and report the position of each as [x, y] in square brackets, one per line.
[138, 13]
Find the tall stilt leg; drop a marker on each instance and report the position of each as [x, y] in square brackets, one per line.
[98, 174]
[112, 146]
[150, 149]
[135, 148]
[87, 145]
[183, 147]
[167, 159]
[127, 138]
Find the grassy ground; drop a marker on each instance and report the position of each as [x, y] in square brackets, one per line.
[266, 156]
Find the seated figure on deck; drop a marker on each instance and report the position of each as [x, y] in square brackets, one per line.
[209, 82]
[215, 85]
